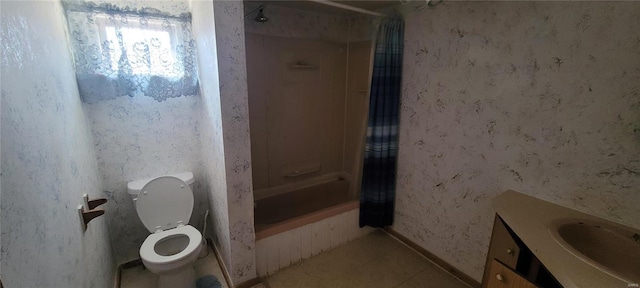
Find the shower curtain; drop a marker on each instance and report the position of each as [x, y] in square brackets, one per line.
[377, 197]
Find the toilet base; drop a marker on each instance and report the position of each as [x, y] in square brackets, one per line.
[185, 278]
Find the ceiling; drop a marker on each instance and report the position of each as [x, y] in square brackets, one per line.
[323, 8]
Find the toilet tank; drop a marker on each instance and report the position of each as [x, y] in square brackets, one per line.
[134, 187]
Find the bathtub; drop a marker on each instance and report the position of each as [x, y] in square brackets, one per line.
[295, 225]
[292, 209]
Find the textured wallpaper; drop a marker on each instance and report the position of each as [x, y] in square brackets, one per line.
[211, 127]
[225, 133]
[137, 138]
[229, 23]
[48, 158]
[539, 97]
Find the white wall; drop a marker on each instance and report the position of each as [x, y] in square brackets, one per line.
[48, 158]
[539, 97]
[225, 133]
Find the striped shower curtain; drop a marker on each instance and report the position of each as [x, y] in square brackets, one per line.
[377, 197]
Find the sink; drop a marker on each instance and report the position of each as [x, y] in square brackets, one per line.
[612, 248]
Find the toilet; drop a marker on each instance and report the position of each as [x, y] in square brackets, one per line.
[164, 205]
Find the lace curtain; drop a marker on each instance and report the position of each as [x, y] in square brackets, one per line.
[124, 51]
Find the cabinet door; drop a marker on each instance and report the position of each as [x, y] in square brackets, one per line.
[502, 247]
[501, 276]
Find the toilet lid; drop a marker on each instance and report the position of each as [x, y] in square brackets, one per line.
[163, 203]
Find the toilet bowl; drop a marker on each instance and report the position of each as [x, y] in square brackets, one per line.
[164, 206]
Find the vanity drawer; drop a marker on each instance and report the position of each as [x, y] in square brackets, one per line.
[500, 276]
[503, 247]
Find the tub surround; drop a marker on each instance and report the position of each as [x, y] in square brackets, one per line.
[531, 219]
[318, 144]
[299, 207]
[264, 231]
[299, 202]
[303, 24]
[297, 115]
[299, 24]
[539, 97]
[48, 158]
[299, 129]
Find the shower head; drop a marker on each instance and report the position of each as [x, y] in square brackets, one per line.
[260, 17]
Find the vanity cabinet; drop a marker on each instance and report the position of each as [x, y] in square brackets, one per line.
[502, 277]
[511, 264]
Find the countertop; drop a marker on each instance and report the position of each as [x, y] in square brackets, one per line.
[530, 218]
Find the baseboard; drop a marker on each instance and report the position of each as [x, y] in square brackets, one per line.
[117, 277]
[121, 266]
[223, 266]
[249, 283]
[227, 277]
[435, 259]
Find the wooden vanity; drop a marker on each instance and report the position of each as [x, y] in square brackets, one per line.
[511, 264]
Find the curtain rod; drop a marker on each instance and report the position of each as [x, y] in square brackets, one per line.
[347, 7]
[108, 8]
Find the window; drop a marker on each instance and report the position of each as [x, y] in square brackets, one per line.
[131, 53]
[161, 57]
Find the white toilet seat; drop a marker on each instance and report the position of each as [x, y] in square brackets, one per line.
[148, 253]
[164, 203]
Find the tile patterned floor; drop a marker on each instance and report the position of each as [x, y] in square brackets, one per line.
[376, 260]
[139, 277]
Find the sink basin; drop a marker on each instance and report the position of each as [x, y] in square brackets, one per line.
[612, 248]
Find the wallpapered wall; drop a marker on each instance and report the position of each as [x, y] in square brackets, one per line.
[137, 138]
[539, 97]
[225, 132]
[48, 158]
[229, 17]
[211, 126]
